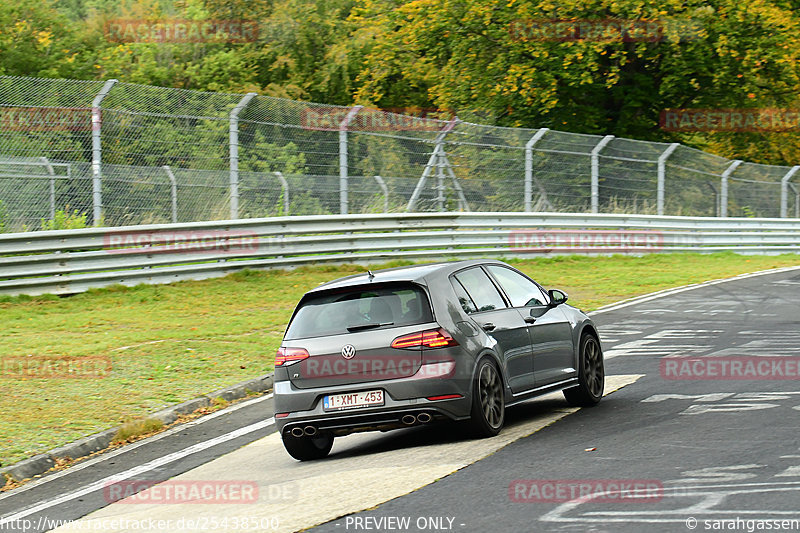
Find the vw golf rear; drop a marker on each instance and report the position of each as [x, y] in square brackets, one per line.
[408, 346]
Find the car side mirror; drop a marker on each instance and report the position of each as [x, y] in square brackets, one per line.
[557, 297]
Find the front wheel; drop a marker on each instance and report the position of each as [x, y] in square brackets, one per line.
[308, 448]
[591, 375]
[488, 403]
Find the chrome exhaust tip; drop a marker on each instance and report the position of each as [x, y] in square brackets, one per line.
[424, 418]
[408, 419]
[310, 431]
[297, 432]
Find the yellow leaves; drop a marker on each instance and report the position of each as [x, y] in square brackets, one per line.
[44, 38]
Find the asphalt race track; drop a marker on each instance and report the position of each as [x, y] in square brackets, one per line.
[700, 431]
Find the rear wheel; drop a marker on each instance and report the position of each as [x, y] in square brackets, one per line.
[488, 403]
[591, 375]
[308, 448]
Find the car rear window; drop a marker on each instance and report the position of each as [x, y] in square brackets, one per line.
[359, 309]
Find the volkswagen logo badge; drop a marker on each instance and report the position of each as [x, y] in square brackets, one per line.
[348, 351]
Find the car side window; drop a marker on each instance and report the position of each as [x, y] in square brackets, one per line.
[520, 290]
[480, 289]
[464, 299]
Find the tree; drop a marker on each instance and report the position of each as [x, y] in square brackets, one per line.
[506, 57]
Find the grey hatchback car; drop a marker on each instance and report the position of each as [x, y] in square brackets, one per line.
[412, 345]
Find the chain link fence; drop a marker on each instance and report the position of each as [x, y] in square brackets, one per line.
[119, 154]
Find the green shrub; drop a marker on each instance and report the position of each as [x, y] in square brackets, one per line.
[66, 220]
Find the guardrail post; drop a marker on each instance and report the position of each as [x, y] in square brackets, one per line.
[662, 174]
[596, 171]
[723, 198]
[344, 201]
[785, 190]
[233, 147]
[385, 189]
[97, 153]
[285, 189]
[529, 166]
[173, 187]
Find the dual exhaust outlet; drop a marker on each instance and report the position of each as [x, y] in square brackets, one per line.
[409, 420]
[422, 418]
[308, 431]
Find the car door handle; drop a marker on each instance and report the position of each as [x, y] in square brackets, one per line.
[488, 326]
[530, 319]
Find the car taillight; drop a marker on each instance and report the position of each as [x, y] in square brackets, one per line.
[432, 338]
[443, 397]
[290, 355]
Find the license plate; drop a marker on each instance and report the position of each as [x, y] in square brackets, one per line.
[353, 400]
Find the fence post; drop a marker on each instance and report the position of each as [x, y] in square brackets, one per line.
[440, 182]
[662, 174]
[97, 153]
[796, 200]
[596, 171]
[52, 172]
[723, 198]
[385, 189]
[716, 197]
[343, 185]
[173, 192]
[462, 200]
[285, 188]
[233, 147]
[529, 166]
[437, 151]
[785, 190]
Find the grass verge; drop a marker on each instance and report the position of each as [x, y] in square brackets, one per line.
[169, 343]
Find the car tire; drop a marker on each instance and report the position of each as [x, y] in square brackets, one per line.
[308, 448]
[591, 374]
[488, 400]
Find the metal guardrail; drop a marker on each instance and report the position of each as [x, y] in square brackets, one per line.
[72, 261]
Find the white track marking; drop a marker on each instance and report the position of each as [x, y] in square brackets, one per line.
[137, 470]
[353, 478]
[129, 447]
[669, 292]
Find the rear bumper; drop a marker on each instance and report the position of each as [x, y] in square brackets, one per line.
[353, 422]
[402, 397]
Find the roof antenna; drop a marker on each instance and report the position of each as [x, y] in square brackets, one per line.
[370, 274]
